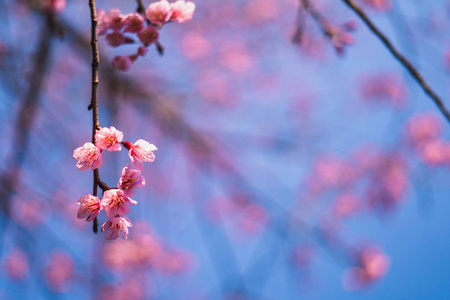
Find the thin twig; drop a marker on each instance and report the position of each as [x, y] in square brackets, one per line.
[414, 73]
[326, 28]
[94, 102]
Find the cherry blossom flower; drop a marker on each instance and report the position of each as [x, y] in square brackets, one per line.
[60, 271]
[113, 20]
[90, 207]
[182, 11]
[130, 180]
[116, 203]
[88, 156]
[122, 63]
[134, 22]
[16, 264]
[109, 139]
[139, 152]
[159, 12]
[115, 226]
[149, 35]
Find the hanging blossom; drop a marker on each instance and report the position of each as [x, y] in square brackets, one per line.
[115, 226]
[90, 207]
[130, 180]
[88, 156]
[120, 29]
[139, 152]
[115, 202]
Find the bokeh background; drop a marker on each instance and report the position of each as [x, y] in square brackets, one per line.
[290, 165]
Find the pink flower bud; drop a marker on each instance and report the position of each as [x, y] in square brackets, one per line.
[134, 23]
[109, 139]
[149, 35]
[90, 207]
[139, 152]
[182, 11]
[142, 51]
[130, 180]
[115, 226]
[88, 156]
[122, 63]
[116, 203]
[159, 12]
[115, 39]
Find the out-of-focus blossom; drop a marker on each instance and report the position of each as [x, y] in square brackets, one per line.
[373, 264]
[115, 39]
[130, 180]
[139, 152]
[386, 87]
[381, 5]
[182, 11]
[59, 271]
[90, 207]
[55, 6]
[134, 22]
[345, 205]
[113, 20]
[88, 156]
[122, 63]
[422, 128]
[115, 226]
[302, 255]
[29, 212]
[116, 203]
[195, 46]
[159, 12]
[109, 139]
[16, 264]
[149, 35]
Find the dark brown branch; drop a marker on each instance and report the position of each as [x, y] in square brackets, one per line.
[94, 101]
[414, 73]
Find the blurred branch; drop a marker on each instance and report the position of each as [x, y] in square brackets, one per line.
[414, 73]
[324, 25]
[9, 180]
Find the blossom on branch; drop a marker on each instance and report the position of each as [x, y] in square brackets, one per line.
[116, 203]
[87, 156]
[139, 152]
[90, 207]
[115, 226]
[130, 180]
[182, 11]
[109, 139]
[159, 12]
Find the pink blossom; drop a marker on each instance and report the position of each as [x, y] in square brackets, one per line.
[109, 139]
[88, 156]
[139, 152]
[16, 264]
[116, 225]
[134, 22]
[122, 63]
[142, 51]
[59, 272]
[90, 207]
[182, 11]
[116, 203]
[115, 39]
[130, 180]
[159, 12]
[55, 6]
[113, 20]
[149, 35]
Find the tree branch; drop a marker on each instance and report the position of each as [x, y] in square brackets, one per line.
[414, 73]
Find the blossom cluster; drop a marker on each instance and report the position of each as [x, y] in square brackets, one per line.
[115, 201]
[114, 25]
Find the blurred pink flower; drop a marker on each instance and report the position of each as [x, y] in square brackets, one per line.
[116, 203]
[122, 63]
[59, 271]
[16, 264]
[381, 5]
[134, 22]
[159, 12]
[109, 139]
[139, 152]
[115, 39]
[90, 207]
[130, 180]
[115, 226]
[88, 156]
[182, 11]
[113, 20]
[149, 35]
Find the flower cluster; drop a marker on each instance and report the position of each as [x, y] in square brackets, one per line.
[145, 28]
[115, 201]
